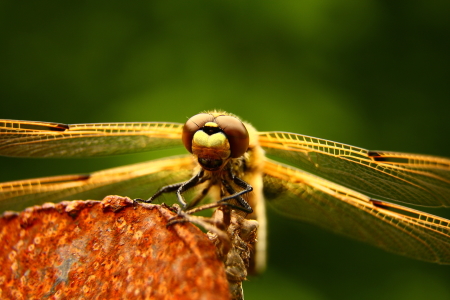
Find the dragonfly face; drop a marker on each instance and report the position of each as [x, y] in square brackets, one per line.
[214, 138]
[346, 189]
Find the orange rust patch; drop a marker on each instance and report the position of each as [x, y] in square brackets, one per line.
[114, 249]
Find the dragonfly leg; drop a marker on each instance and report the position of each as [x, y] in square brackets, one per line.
[197, 179]
[165, 189]
[247, 188]
[237, 195]
[180, 187]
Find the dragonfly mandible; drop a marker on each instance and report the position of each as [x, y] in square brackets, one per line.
[346, 189]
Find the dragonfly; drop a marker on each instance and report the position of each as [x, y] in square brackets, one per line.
[349, 190]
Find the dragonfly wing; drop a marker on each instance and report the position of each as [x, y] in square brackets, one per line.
[410, 178]
[140, 180]
[44, 139]
[395, 228]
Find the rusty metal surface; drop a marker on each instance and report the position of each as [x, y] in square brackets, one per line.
[114, 249]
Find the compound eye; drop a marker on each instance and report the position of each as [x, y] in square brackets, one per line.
[192, 126]
[236, 134]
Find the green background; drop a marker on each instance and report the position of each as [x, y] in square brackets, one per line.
[368, 73]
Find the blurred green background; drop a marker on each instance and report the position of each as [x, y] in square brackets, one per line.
[368, 73]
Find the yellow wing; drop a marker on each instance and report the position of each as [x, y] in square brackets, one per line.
[135, 181]
[395, 228]
[409, 178]
[44, 139]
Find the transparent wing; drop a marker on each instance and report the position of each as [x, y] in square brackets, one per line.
[410, 178]
[44, 139]
[392, 227]
[140, 180]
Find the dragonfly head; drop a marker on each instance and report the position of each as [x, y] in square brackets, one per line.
[214, 138]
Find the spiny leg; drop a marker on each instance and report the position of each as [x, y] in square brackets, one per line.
[243, 204]
[179, 188]
[184, 215]
[237, 195]
[166, 189]
[247, 188]
[197, 179]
